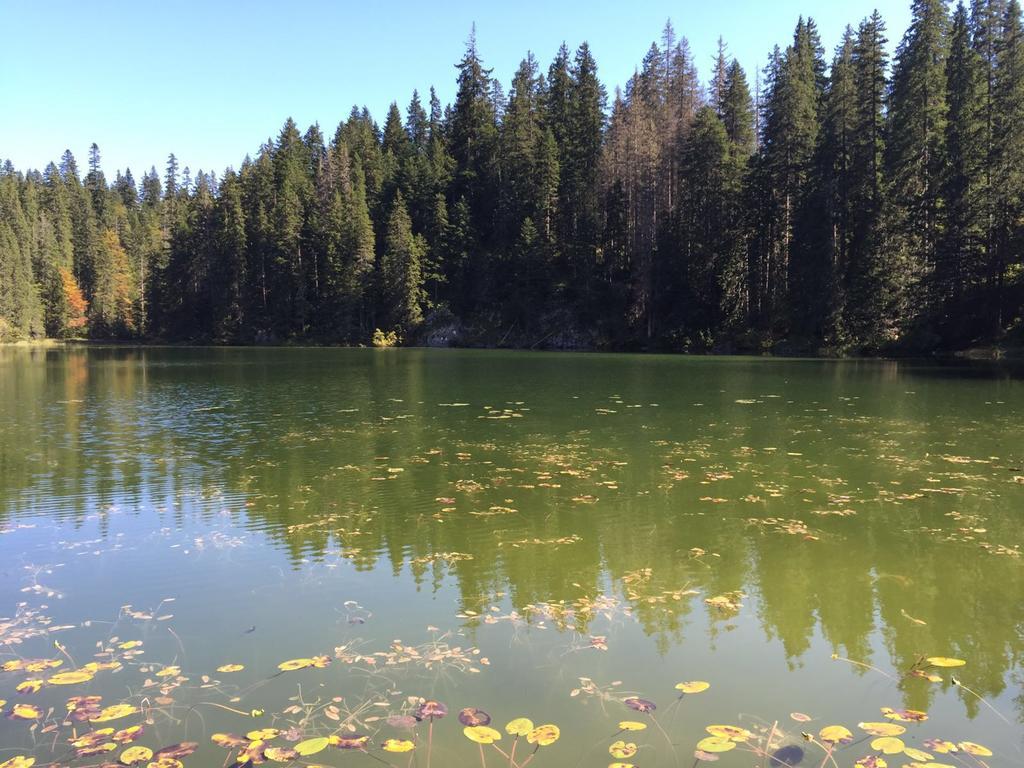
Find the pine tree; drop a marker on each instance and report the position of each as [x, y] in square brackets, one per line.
[473, 145]
[915, 162]
[865, 278]
[962, 255]
[1008, 161]
[789, 141]
[401, 276]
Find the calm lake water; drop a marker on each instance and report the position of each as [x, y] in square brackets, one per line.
[535, 535]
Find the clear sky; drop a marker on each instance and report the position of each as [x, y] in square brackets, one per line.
[211, 80]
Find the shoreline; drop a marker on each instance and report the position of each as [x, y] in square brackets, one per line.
[984, 353]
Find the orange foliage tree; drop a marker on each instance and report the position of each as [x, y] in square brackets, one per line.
[74, 302]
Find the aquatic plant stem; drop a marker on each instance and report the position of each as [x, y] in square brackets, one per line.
[768, 743]
[828, 754]
[483, 760]
[863, 665]
[675, 755]
[980, 698]
[430, 740]
[505, 754]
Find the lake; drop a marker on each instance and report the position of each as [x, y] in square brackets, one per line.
[560, 537]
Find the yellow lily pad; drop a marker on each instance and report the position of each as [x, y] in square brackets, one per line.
[945, 661]
[692, 686]
[544, 735]
[834, 734]
[882, 729]
[975, 749]
[715, 744]
[622, 749]
[481, 734]
[312, 746]
[519, 727]
[888, 745]
[71, 678]
[134, 755]
[631, 725]
[114, 712]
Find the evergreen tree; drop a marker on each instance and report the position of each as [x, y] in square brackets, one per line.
[962, 255]
[400, 272]
[1008, 167]
[915, 163]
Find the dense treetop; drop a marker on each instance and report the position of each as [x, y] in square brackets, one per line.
[846, 202]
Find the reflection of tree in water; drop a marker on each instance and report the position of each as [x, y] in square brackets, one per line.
[354, 456]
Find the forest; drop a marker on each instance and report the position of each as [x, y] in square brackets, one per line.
[847, 203]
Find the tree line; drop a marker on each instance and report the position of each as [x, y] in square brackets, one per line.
[856, 204]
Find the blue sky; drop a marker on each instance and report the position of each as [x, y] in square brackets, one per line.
[211, 80]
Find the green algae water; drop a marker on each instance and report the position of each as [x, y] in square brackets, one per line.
[282, 556]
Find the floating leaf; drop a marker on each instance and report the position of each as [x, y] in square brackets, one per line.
[29, 686]
[165, 762]
[882, 729]
[519, 727]
[621, 765]
[622, 749]
[835, 734]
[398, 745]
[176, 751]
[228, 740]
[430, 709]
[872, 761]
[715, 744]
[169, 672]
[115, 712]
[280, 754]
[92, 738]
[631, 725]
[945, 661]
[19, 761]
[83, 707]
[355, 741]
[293, 664]
[800, 717]
[25, 712]
[640, 705]
[544, 735]
[134, 755]
[731, 732]
[905, 715]
[96, 749]
[941, 746]
[889, 745]
[231, 668]
[263, 734]
[129, 734]
[917, 754]
[312, 746]
[975, 749]
[472, 716]
[71, 678]
[481, 734]
[693, 686]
